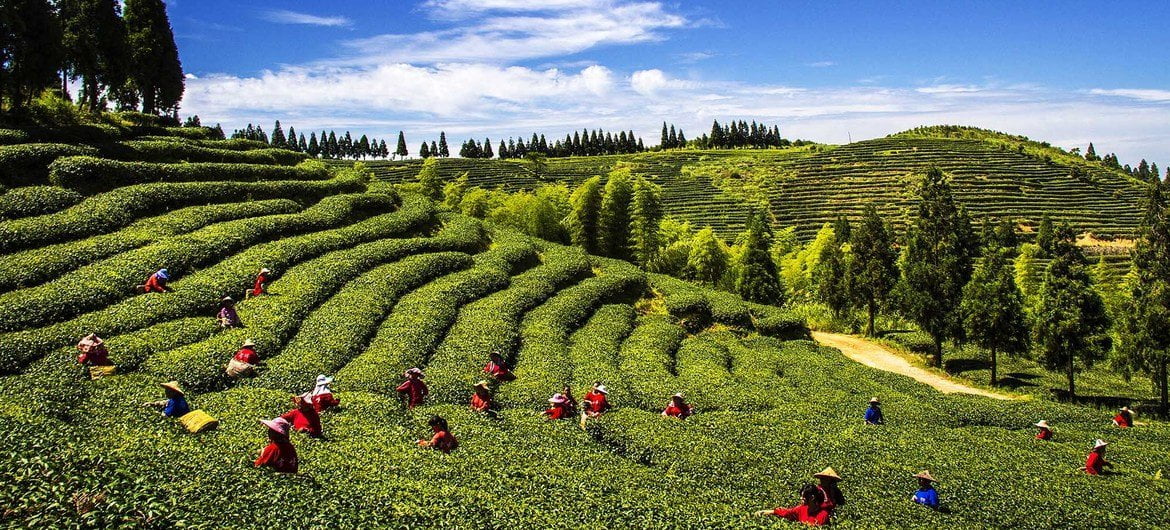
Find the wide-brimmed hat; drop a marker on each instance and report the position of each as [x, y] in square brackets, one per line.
[172, 386]
[279, 425]
[1042, 424]
[324, 379]
[678, 395]
[874, 400]
[602, 389]
[1124, 409]
[1099, 444]
[925, 475]
[248, 344]
[226, 299]
[828, 473]
[558, 399]
[482, 384]
[264, 270]
[414, 371]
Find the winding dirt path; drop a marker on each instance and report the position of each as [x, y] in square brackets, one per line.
[877, 356]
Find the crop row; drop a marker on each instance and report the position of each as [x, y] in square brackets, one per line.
[115, 209]
[35, 200]
[198, 293]
[647, 361]
[94, 175]
[594, 351]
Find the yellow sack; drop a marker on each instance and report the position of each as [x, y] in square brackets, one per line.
[101, 371]
[240, 369]
[198, 421]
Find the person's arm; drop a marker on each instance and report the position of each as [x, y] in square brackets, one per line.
[405, 386]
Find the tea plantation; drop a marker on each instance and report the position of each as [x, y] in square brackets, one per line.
[371, 280]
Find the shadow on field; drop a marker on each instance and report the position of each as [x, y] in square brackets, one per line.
[958, 366]
[1104, 402]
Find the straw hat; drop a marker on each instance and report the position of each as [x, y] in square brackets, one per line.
[172, 386]
[1099, 444]
[1042, 424]
[1125, 409]
[279, 425]
[248, 344]
[324, 379]
[874, 400]
[602, 389]
[678, 395]
[226, 299]
[415, 372]
[482, 384]
[925, 475]
[558, 399]
[828, 473]
[264, 270]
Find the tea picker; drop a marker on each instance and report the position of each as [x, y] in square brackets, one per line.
[810, 511]
[94, 356]
[245, 362]
[322, 395]
[304, 417]
[157, 283]
[1124, 418]
[175, 406]
[873, 414]
[279, 454]
[414, 390]
[260, 286]
[926, 494]
[596, 401]
[558, 408]
[1095, 464]
[442, 440]
[678, 408]
[498, 369]
[1045, 432]
[227, 316]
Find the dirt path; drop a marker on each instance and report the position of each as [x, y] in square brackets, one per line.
[877, 356]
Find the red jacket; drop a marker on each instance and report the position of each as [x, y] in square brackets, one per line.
[247, 355]
[480, 404]
[415, 390]
[304, 419]
[596, 402]
[321, 402]
[801, 514]
[258, 287]
[155, 285]
[1095, 463]
[676, 412]
[443, 441]
[557, 412]
[1123, 421]
[498, 371]
[1044, 434]
[280, 456]
[96, 356]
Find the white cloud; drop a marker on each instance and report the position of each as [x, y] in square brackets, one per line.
[478, 6]
[648, 82]
[1143, 94]
[283, 16]
[822, 64]
[694, 57]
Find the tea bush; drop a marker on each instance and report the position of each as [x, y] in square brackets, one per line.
[35, 200]
[28, 164]
[93, 175]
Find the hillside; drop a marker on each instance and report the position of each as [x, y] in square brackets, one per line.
[993, 175]
[370, 281]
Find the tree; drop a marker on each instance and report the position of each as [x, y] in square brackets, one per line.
[614, 219]
[1143, 336]
[1028, 274]
[444, 151]
[278, 139]
[645, 218]
[454, 191]
[537, 162]
[757, 279]
[401, 150]
[709, 259]
[1071, 325]
[841, 229]
[993, 308]
[95, 47]
[1091, 153]
[582, 221]
[1045, 237]
[424, 151]
[429, 180]
[155, 70]
[434, 149]
[830, 276]
[30, 50]
[1005, 236]
[873, 271]
[487, 148]
[937, 262]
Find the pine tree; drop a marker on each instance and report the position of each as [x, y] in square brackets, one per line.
[435, 151]
[30, 50]
[362, 149]
[1143, 171]
[717, 140]
[614, 219]
[429, 180]
[401, 150]
[502, 151]
[95, 47]
[665, 137]
[842, 231]
[582, 223]
[1091, 153]
[1045, 238]
[937, 262]
[645, 218]
[444, 151]
[1143, 336]
[1005, 236]
[993, 309]
[709, 259]
[302, 146]
[1071, 325]
[487, 148]
[278, 139]
[314, 148]
[830, 277]
[424, 151]
[757, 279]
[873, 271]
[334, 147]
[155, 70]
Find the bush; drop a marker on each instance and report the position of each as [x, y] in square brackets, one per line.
[93, 175]
[28, 164]
[13, 136]
[171, 152]
[648, 361]
[234, 144]
[36, 200]
[194, 133]
[115, 209]
[594, 351]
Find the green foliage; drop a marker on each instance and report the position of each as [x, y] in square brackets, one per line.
[35, 200]
[583, 223]
[429, 180]
[614, 215]
[645, 222]
[993, 309]
[155, 71]
[756, 278]
[94, 175]
[210, 151]
[830, 277]
[28, 164]
[709, 260]
[537, 214]
[454, 191]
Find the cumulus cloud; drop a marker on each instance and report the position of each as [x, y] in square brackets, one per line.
[283, 16]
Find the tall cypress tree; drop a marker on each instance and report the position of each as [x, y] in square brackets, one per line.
[95, 47]
[582, 223]
[756, 278]
[487, 149]
[937, 262]
[314, 148]
[665, 137]
[424, 151]
[30, 50]
[278, 139]
[155, 70]
[830, 275]
[993, 308]
[401, 150]
[1143, 336]
[444, 150]
[873, 271]
[614, 220]
[645, 218]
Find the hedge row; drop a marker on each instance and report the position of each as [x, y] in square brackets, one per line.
[647, 361]
[31, 267]
[113, 279]
[234, 144]
[13, 136]
[420, 319]
[594, 352]
[36, 200]
[170, 152]
[94, 175]
[543, 364]
[342, 327]
[698, 306]
[198, 293]
[28, 164]
[109, 211]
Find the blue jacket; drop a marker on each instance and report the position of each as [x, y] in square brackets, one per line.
[874, 415]
[927, 497]
[176, 407]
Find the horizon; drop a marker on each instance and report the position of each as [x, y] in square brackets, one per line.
[502, 68]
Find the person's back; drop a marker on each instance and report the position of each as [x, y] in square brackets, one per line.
[415, 390]
[176, 406]
[874, 416]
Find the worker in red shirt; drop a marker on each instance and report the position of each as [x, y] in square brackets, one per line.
[245, 361]
[279, 454]
[322, 395]
[596, 401]
[442, 440]
[498, 369]
[558, 407]
[481, 398]
[828, 481]
[678, 408]
[809, 512]
[93, 351]
[1124, 418]
[157, 283]
[1045, 432]
[1096, 463]
[413, 389]
[261, 285]
[304, 417]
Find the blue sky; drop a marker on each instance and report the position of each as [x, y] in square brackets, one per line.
[1079, 72]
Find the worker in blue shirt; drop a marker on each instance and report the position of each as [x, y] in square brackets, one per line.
[926, 494]
[175, 405]
[873, 415]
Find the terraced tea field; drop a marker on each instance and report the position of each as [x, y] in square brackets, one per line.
[370, 281]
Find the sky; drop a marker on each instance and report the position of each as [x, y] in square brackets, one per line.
[1066, 72]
